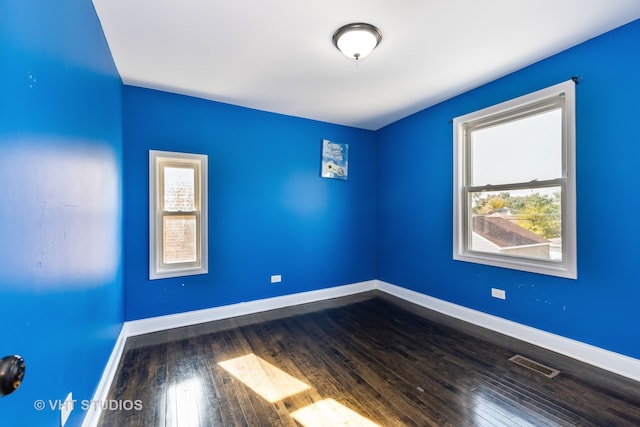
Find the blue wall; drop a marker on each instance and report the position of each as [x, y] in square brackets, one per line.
[61, 265]
[60, 215]
[269, 210]
[415, 202]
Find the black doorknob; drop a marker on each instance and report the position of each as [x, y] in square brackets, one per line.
[11, 374]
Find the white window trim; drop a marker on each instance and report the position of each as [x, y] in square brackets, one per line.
[156, 269]
[567, 268]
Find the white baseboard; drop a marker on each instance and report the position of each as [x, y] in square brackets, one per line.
[608, 360]
[605, 359]
[92, 414]
[161, 323]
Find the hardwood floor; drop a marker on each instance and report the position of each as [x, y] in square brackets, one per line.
[364, 360]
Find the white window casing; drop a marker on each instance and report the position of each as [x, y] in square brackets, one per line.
[525, 168]
[177, 214]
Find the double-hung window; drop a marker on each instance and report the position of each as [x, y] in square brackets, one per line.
[177, 214]
[514, 184]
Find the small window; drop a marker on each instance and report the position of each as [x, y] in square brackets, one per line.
[177, 214]
[514, 184]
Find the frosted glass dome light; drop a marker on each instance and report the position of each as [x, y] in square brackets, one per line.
[357, 40]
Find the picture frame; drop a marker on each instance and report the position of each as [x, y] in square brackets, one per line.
[335, 160]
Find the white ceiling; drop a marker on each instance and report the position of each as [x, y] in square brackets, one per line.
[277, 55]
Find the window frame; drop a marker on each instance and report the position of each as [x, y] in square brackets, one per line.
[157, 161]
[547, 99]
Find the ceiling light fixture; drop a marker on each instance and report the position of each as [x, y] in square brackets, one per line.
[357, 40]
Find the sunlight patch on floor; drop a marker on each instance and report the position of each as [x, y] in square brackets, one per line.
[270, 382]
[274, 385]
[329, 413]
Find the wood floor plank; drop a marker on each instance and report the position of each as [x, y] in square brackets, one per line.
[354, 375]
[235, 410]
[267, 345]
[401, 369]
[316, 367]
[261, 411]
[370, 358]
[159, 402]
[211, 393]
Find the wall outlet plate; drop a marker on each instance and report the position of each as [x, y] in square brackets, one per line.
[276, 278]
[498, 293]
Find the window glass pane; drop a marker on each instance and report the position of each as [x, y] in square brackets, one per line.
[179, 239]
[518, 151]
[179, 189]
[525, 223]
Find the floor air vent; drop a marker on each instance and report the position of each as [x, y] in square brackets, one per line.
[534, 366]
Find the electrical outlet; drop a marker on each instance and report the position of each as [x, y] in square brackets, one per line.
[498, 293]
[276, 278]
[66, 408]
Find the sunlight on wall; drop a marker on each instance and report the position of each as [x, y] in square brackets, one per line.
[262, 377]
[273, 385]
[60, 207]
